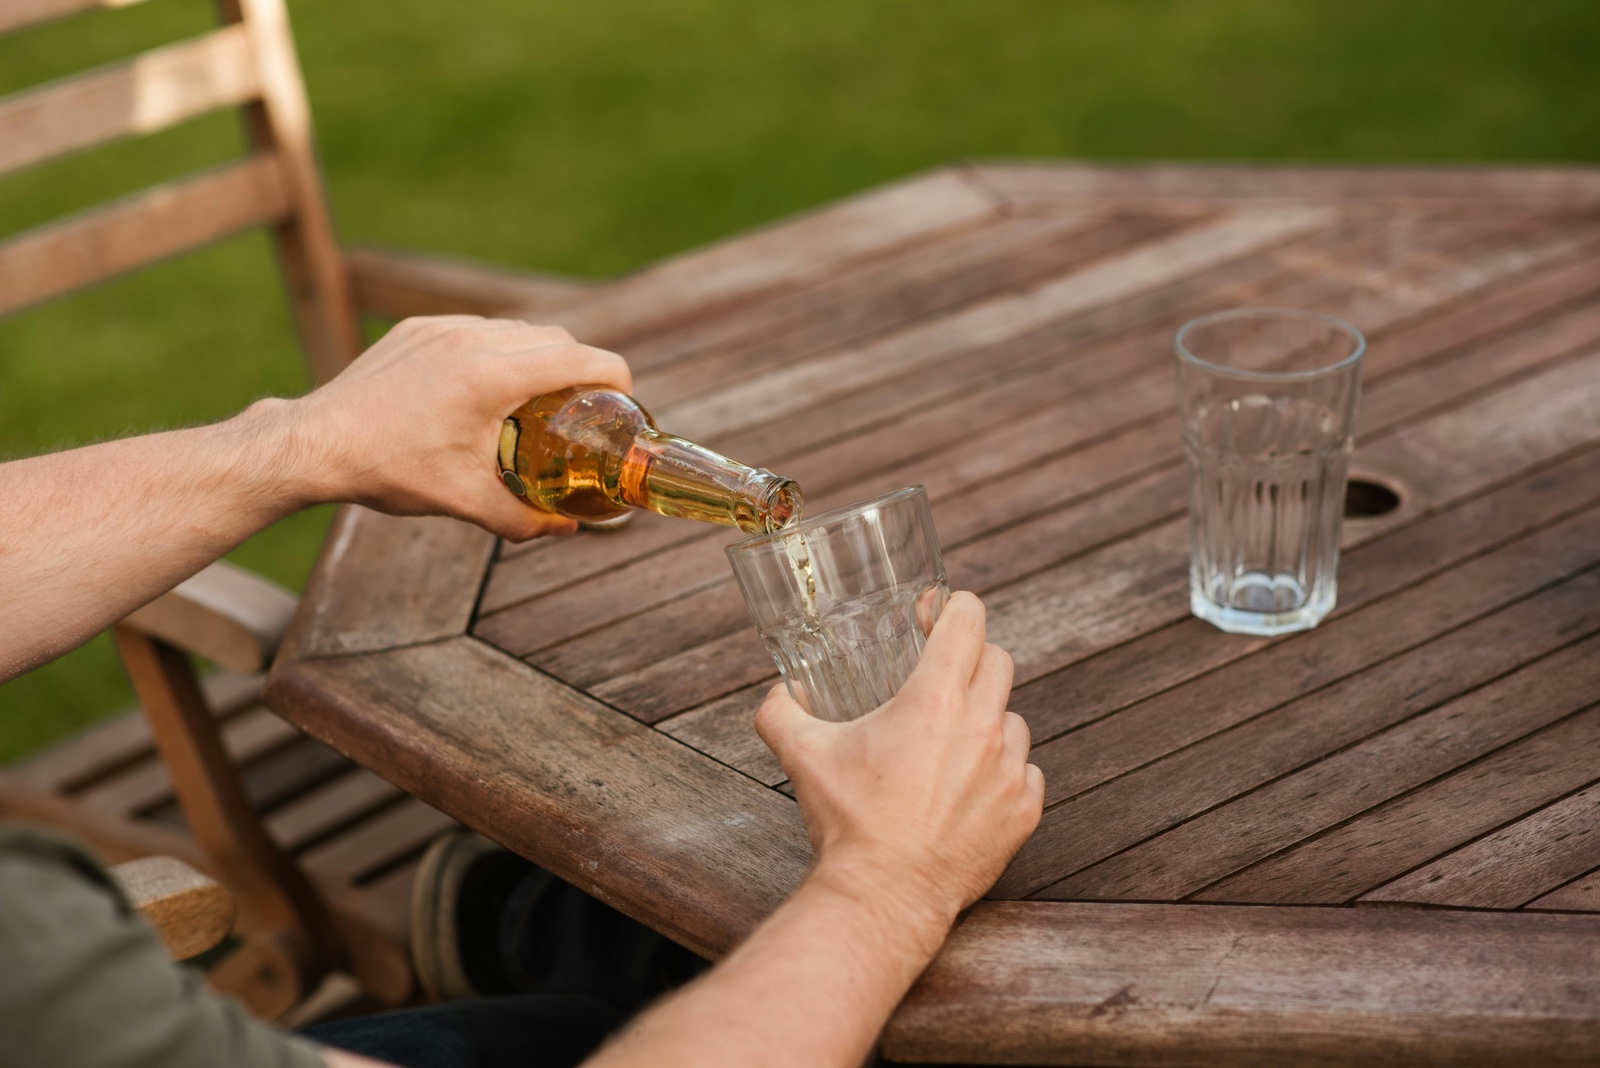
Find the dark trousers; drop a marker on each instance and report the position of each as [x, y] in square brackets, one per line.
[524, 1030]
[580, 969]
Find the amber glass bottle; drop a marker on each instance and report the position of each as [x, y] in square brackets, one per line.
[592, 453]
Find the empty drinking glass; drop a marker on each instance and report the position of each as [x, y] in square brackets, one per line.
[1267, 403]
[843, 600]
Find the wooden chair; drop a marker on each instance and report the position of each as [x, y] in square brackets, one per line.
[296, 928]
[191, 912]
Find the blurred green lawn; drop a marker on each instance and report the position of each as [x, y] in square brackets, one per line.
[593, 138]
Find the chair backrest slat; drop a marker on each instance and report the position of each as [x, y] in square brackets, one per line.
[149, 226]
[313, 263]
[249, 62]
[14, 14]
[150, 92]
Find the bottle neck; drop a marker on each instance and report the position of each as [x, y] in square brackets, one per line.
[676, 477]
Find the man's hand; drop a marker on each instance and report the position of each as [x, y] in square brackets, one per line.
[413, 426]
[925, 799]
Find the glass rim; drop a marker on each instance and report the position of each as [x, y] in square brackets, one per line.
[810, 523]
[1332, 321]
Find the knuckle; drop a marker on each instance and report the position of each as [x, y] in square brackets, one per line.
[1019, 726]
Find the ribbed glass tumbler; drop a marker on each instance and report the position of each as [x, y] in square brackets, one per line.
[1267, 403]
[843, 600]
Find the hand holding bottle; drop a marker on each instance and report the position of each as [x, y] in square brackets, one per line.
[412, 427]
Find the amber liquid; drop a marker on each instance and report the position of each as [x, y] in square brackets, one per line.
[592, 454]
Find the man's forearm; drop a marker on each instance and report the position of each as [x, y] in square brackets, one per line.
[811, 987]
[89, 535]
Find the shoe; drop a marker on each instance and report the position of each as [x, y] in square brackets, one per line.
[463, 884]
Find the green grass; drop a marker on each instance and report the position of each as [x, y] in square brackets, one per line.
[593, 138]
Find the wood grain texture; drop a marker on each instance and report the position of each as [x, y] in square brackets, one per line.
[1030, 983]
[1079, 832]
[1513, 865]
[308, 249]
[879, 297]
[150, 92]
[1385, 840]
[318, 814]
[949, 469]
[990, 323]
[784, 256]
[149, 226]
[190, 911]
[1580, 895]
[224, 613]
[124, 740]
[1412, 189]
[1180, 861]
[142, 788]
[1434, 736]
[384, 581]
[1065, 359]
[396, 285]
[561, 779]
[397, 833]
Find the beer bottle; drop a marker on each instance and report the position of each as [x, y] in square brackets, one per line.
[592, 453]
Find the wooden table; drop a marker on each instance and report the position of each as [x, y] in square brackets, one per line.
[1375, 842]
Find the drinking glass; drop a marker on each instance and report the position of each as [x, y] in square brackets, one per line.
[1267, 403]
[844, 600]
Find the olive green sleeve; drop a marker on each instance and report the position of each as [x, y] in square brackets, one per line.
[86, 983]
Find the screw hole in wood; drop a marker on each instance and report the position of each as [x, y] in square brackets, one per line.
[1364, 499]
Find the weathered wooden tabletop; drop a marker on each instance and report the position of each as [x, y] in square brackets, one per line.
[1372, 842]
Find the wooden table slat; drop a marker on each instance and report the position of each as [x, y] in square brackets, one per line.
[1515, 864]
[991, 322]
[1570, 188]
[386, 581]
[1580, 895]
[1400, 834]
[953, 274]
[779, 258]
[1211, 985]
[1171, 865]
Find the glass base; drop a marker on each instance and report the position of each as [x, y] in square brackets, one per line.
[1263, 624]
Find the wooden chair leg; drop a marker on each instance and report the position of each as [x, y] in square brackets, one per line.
[271, 890]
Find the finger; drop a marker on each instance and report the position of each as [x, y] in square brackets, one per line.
[1018, 739]
[991, 680]
[780, 721]
[929, 604]
[1034, 780]
[502, 514]
[954, 645]
[541, 369]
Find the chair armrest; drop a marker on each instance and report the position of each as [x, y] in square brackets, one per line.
[191, 912]
[398, 284]
[226, 614]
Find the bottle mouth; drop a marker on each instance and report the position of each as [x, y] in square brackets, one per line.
[782, 503]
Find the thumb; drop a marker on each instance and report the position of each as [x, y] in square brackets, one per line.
[783, 724]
